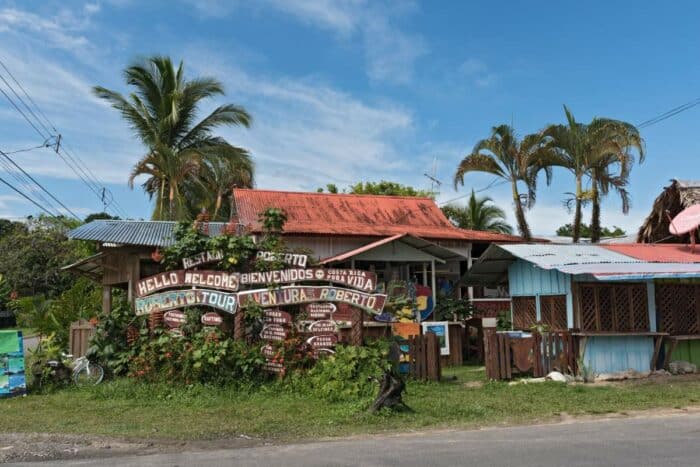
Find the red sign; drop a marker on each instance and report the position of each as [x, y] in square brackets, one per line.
[268, 351]
[296, 295]
[325, 326]
[273, 367]
[212, 319]
[273, 332]
[322, 342]
[173, 319]
[365, 281]
[277, 317]
[220, 280]
[320, 310]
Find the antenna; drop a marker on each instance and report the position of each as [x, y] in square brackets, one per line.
[433, 179]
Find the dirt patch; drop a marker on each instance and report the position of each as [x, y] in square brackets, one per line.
[29, 447]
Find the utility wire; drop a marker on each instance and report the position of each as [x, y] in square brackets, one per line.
[29, 199]
[38, 109]
[23, 114]
[6, 156]
[669, 113]
[495, 182]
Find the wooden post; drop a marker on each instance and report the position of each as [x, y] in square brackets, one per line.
[357, 327]
[434, 369]
[432, 270]
[106, 299]
[239, 325]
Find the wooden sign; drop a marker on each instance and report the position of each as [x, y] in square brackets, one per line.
[175, 332]
[320, 310]
[322, 342]
[268, 351]
[181, 298]
[220, 280]
[325, 326]
[273, 367]
[405, 330]
[353, 278]
[277, 317]
[291, 259]
[212, 319]
[173, 319]
[293, 295]
[202, 258]
[273, 332]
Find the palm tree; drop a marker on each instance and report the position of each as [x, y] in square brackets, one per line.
[515, 161]
[162, 111]
[593, 150]
[478, 214]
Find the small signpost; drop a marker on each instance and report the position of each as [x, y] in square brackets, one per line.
[273, 332]
[277, 317]
[174, 319]
[321, 310]
[212, 319]
[324, 326]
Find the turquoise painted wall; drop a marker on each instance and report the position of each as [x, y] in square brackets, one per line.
[688, 351]
[617, 353]
[524, 278]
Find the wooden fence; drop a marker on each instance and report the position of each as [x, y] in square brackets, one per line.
[424, 357]
[79, 337]
[538, 355]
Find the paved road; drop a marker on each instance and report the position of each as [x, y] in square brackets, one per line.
[655, 441]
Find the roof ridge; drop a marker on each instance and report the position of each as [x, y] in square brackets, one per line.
[312, 193]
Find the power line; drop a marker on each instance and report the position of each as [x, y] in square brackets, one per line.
[29, 199]
[494, 183]
[669, 113]
[39, 184]
[22, 113]
[29, 97]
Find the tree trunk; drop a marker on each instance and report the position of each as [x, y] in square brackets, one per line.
[520, 214]
[172, 201]
[161, 200]
[217, 206]
[595, 211]
[578, 214]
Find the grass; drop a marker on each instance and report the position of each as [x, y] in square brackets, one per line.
[128, 409]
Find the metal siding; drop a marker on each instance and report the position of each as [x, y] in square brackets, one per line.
[619, 353]
[651, 305]
[688, 351]
[526, 279]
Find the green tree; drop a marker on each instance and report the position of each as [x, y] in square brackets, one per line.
[99, 216]
[387, 188]
[515, 161]
[479, 214]
[162, 111]
[595, 151]
[567, 230]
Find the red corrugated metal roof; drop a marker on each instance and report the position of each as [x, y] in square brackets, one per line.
[659, 253]
[366, 215]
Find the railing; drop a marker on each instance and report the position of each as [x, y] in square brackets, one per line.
[424, 357]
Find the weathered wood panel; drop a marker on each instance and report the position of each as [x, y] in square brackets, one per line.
[79, 336]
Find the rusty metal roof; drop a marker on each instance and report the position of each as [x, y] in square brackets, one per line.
[657, 253]
[361, 215]
[142, 233]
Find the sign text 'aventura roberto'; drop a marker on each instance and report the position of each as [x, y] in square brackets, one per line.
[181, 298]
[292, 295]
[220, 280]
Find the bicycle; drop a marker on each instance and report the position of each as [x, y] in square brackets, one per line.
[84, 373]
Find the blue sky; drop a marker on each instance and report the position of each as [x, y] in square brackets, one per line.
[343, 91]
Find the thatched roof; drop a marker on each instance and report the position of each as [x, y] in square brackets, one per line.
[677, 196]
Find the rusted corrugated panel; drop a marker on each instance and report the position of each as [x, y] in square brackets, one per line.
[661, 253]
[554, 256]
[143, 233]
[342, 214]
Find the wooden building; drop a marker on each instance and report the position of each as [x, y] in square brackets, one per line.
[621, 301]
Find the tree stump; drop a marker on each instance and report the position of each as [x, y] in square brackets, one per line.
[391, 388]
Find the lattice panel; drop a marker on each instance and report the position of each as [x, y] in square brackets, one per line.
[617, 308]
[587, 305]
[553, 310]
[678, 308]
[524, 312]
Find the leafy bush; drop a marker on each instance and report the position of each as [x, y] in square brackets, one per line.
[109, 346]
[346, 374]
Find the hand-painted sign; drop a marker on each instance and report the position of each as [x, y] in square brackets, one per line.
[320, 310]
[268, 351]
[291, 259]
[220, 280]
[174, 318]
[322, 342]
[273, 332]
[325, 326]
[212, 319]
[276, 317]
[176, 332]
[273, 367]
[354, 278]
[202, 258]
[181, 298]
[293, 295]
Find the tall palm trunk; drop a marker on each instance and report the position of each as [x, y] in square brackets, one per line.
[161, 200]
[172, 201]
[217, 206]
[578, 215]
[595, 211]
[520, 214]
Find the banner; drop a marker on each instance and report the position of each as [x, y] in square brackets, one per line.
[12, 378]
[293, 295]
[354, 278]
[210, 279]
[182, 298]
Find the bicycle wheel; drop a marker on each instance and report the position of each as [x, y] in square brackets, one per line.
[90, 374]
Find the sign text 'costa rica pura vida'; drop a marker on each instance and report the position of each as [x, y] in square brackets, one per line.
[220, 280]
[182, 298]
[292, 295]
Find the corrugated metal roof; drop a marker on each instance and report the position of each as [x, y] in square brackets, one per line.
[366, 215]
[440, 253]
[143, 233]
[554, 256]
[660, 253]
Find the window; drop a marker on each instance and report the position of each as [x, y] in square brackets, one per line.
[524, 312]
[678, 308]
[613, 307]
[553, 311]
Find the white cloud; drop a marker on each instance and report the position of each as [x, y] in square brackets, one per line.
[477, 72]
[64, 30]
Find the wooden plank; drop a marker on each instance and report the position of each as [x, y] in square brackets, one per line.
[509, 366]
[657, 349]
[669, 353]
